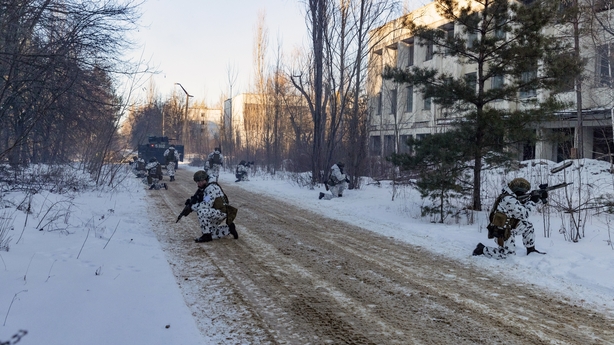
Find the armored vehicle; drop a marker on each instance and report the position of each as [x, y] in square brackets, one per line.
[156, 147]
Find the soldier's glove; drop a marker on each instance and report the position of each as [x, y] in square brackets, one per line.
[544, 196]
[188, 202]
[193, 200]
[535, 196]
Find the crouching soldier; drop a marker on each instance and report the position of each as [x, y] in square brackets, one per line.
[210, 203]
[242, 171]
[509, 217]
[154, 174]
[336, 183]
[138, 167]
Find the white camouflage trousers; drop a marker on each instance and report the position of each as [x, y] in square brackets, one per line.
[335, 191]
[524, 228]
[210, 221]
[170, 167]
[214, 172]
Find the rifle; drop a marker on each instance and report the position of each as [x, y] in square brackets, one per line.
[186, 210]
[543, 190]
[196, 198]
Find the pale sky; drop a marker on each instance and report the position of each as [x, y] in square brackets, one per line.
[196, 42]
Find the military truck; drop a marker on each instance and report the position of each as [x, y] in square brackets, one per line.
[155, 147]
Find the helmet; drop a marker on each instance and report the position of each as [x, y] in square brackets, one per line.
[519, 185]
[340, 164]
[243, 162]
[217, 149]
[153, 159]
[201, 175]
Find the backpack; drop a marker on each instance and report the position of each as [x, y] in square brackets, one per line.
[171, 156]
[215, 159]
[500, 226]
[222, 204]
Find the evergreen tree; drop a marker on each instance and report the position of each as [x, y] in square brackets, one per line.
[507, 45]
[439, 162]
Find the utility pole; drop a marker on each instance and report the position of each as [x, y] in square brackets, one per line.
[184, 133]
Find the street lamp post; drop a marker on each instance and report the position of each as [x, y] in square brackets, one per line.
[185, 116]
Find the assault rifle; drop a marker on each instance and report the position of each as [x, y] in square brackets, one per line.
[189, 202]
[542, 192]
[186, 210]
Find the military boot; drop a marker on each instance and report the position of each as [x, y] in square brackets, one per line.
[204, 238]
[233, 230]
[533, 250]
[479, 250]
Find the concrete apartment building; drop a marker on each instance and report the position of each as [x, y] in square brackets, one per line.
[207, 119]
[398, 111]
[236, 110]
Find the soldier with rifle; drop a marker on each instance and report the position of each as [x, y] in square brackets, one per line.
[509, 217]
[211, 204]
[337, 182]
[242, 171]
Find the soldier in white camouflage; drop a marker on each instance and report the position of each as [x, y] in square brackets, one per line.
[211, 220]
[509, 218]
[337, 182]
[154, 174]
[214, 163]
[172, 158]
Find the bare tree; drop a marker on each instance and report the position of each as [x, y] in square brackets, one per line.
[56, 65]
[333, 82]
[310, 83]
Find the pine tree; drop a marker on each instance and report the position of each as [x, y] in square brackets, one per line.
[507, 45]
[439, 162]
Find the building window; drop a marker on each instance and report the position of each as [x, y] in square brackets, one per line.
[375, 145]
[472, 80]
[410, 54]
[403, 147]
[568, 81]
[379, 103]
[393, 101]
[499, 31]
[388, 145]
[604, 65]
[528, 78]
[429, 51]
[409, 104]
[472, 38]
[391, 55]
[427, 103]
[449, 28]
[497, 82]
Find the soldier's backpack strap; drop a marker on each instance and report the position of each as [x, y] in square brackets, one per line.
[224, 206]
[499, 226]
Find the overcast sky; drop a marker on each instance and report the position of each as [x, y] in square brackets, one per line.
[196, 42]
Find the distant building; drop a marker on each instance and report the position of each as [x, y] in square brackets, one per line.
[204, 131]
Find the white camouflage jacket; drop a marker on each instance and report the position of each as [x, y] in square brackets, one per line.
[212, 191]
[512, 207]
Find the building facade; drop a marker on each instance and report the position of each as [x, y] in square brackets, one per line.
[399, 111]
